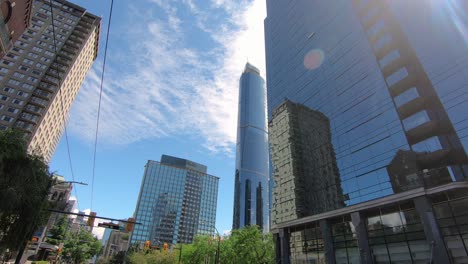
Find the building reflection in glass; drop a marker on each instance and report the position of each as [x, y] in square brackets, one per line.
[396, 235]
[306, 176]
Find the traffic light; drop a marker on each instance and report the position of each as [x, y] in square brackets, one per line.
[147, 244]
[91, 219]
[165, 246]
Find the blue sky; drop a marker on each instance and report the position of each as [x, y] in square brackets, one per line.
[171, 87]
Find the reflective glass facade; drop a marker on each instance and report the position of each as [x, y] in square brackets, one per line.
[390, 77]
[177, 201]
[251, 194]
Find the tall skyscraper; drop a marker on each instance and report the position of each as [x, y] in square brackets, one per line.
[251, 194]
[177, 201]
[41, 75]
[305, 173]
[391, 78]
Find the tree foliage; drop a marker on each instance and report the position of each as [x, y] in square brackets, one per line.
[247, 246]
[80, 246]
[152, 257]
[58, 233]
[24, 183]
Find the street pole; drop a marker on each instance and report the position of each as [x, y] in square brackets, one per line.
[217, 254]
[180, 254]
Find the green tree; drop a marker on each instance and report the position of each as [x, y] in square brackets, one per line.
[24, 184]
[247, 245]
[58, 233]
[152, 257]
[203, 249]
[250, 245]
[80, 247]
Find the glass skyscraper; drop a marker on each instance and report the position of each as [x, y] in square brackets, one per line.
[251, 194]
[390, 77]
[177, 201]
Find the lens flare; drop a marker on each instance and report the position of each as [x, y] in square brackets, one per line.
[457, 14]
[314, 59]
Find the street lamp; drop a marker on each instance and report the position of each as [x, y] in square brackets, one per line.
[64, 182]
[219, 240]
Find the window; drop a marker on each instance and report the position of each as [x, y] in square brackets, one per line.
[14, 82]
[25, 37]
[36, 72]
[28, 61]
[40, 65]
[415, 120]
[7, 118]
[3, 97]
[33, 55]
[18, 102]
[12, 56]
[428, 145]
[8, 90]
[4, 70]
[17, 50]
[397, 76]
[37, 49]
[27, 86]
[382, 41]
[23, 68]
[18, 75]
[389, 58]
[6, 62]
[376, 28]
[406, 96]
[41, 15]
[32, 79]
[12, 110]
[23, 94]
[42, 43]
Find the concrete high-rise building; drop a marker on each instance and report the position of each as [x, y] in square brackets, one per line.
[305, 173]
[14, 19]
[177, 201]
[390, 75]
[251, 194]
[41, 75]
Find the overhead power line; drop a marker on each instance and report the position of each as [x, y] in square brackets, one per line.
[100, 99]
[61, 99]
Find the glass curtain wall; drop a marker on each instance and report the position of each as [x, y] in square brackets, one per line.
[345, 241]
[396, 235]
[307, 245]
[451, 211]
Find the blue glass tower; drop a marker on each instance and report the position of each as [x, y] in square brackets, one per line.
[251, 194]
[177, 201]
[390, 78]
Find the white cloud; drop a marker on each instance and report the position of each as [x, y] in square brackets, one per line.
[170, 87]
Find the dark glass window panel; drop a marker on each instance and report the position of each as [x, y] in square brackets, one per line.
[460, 207]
